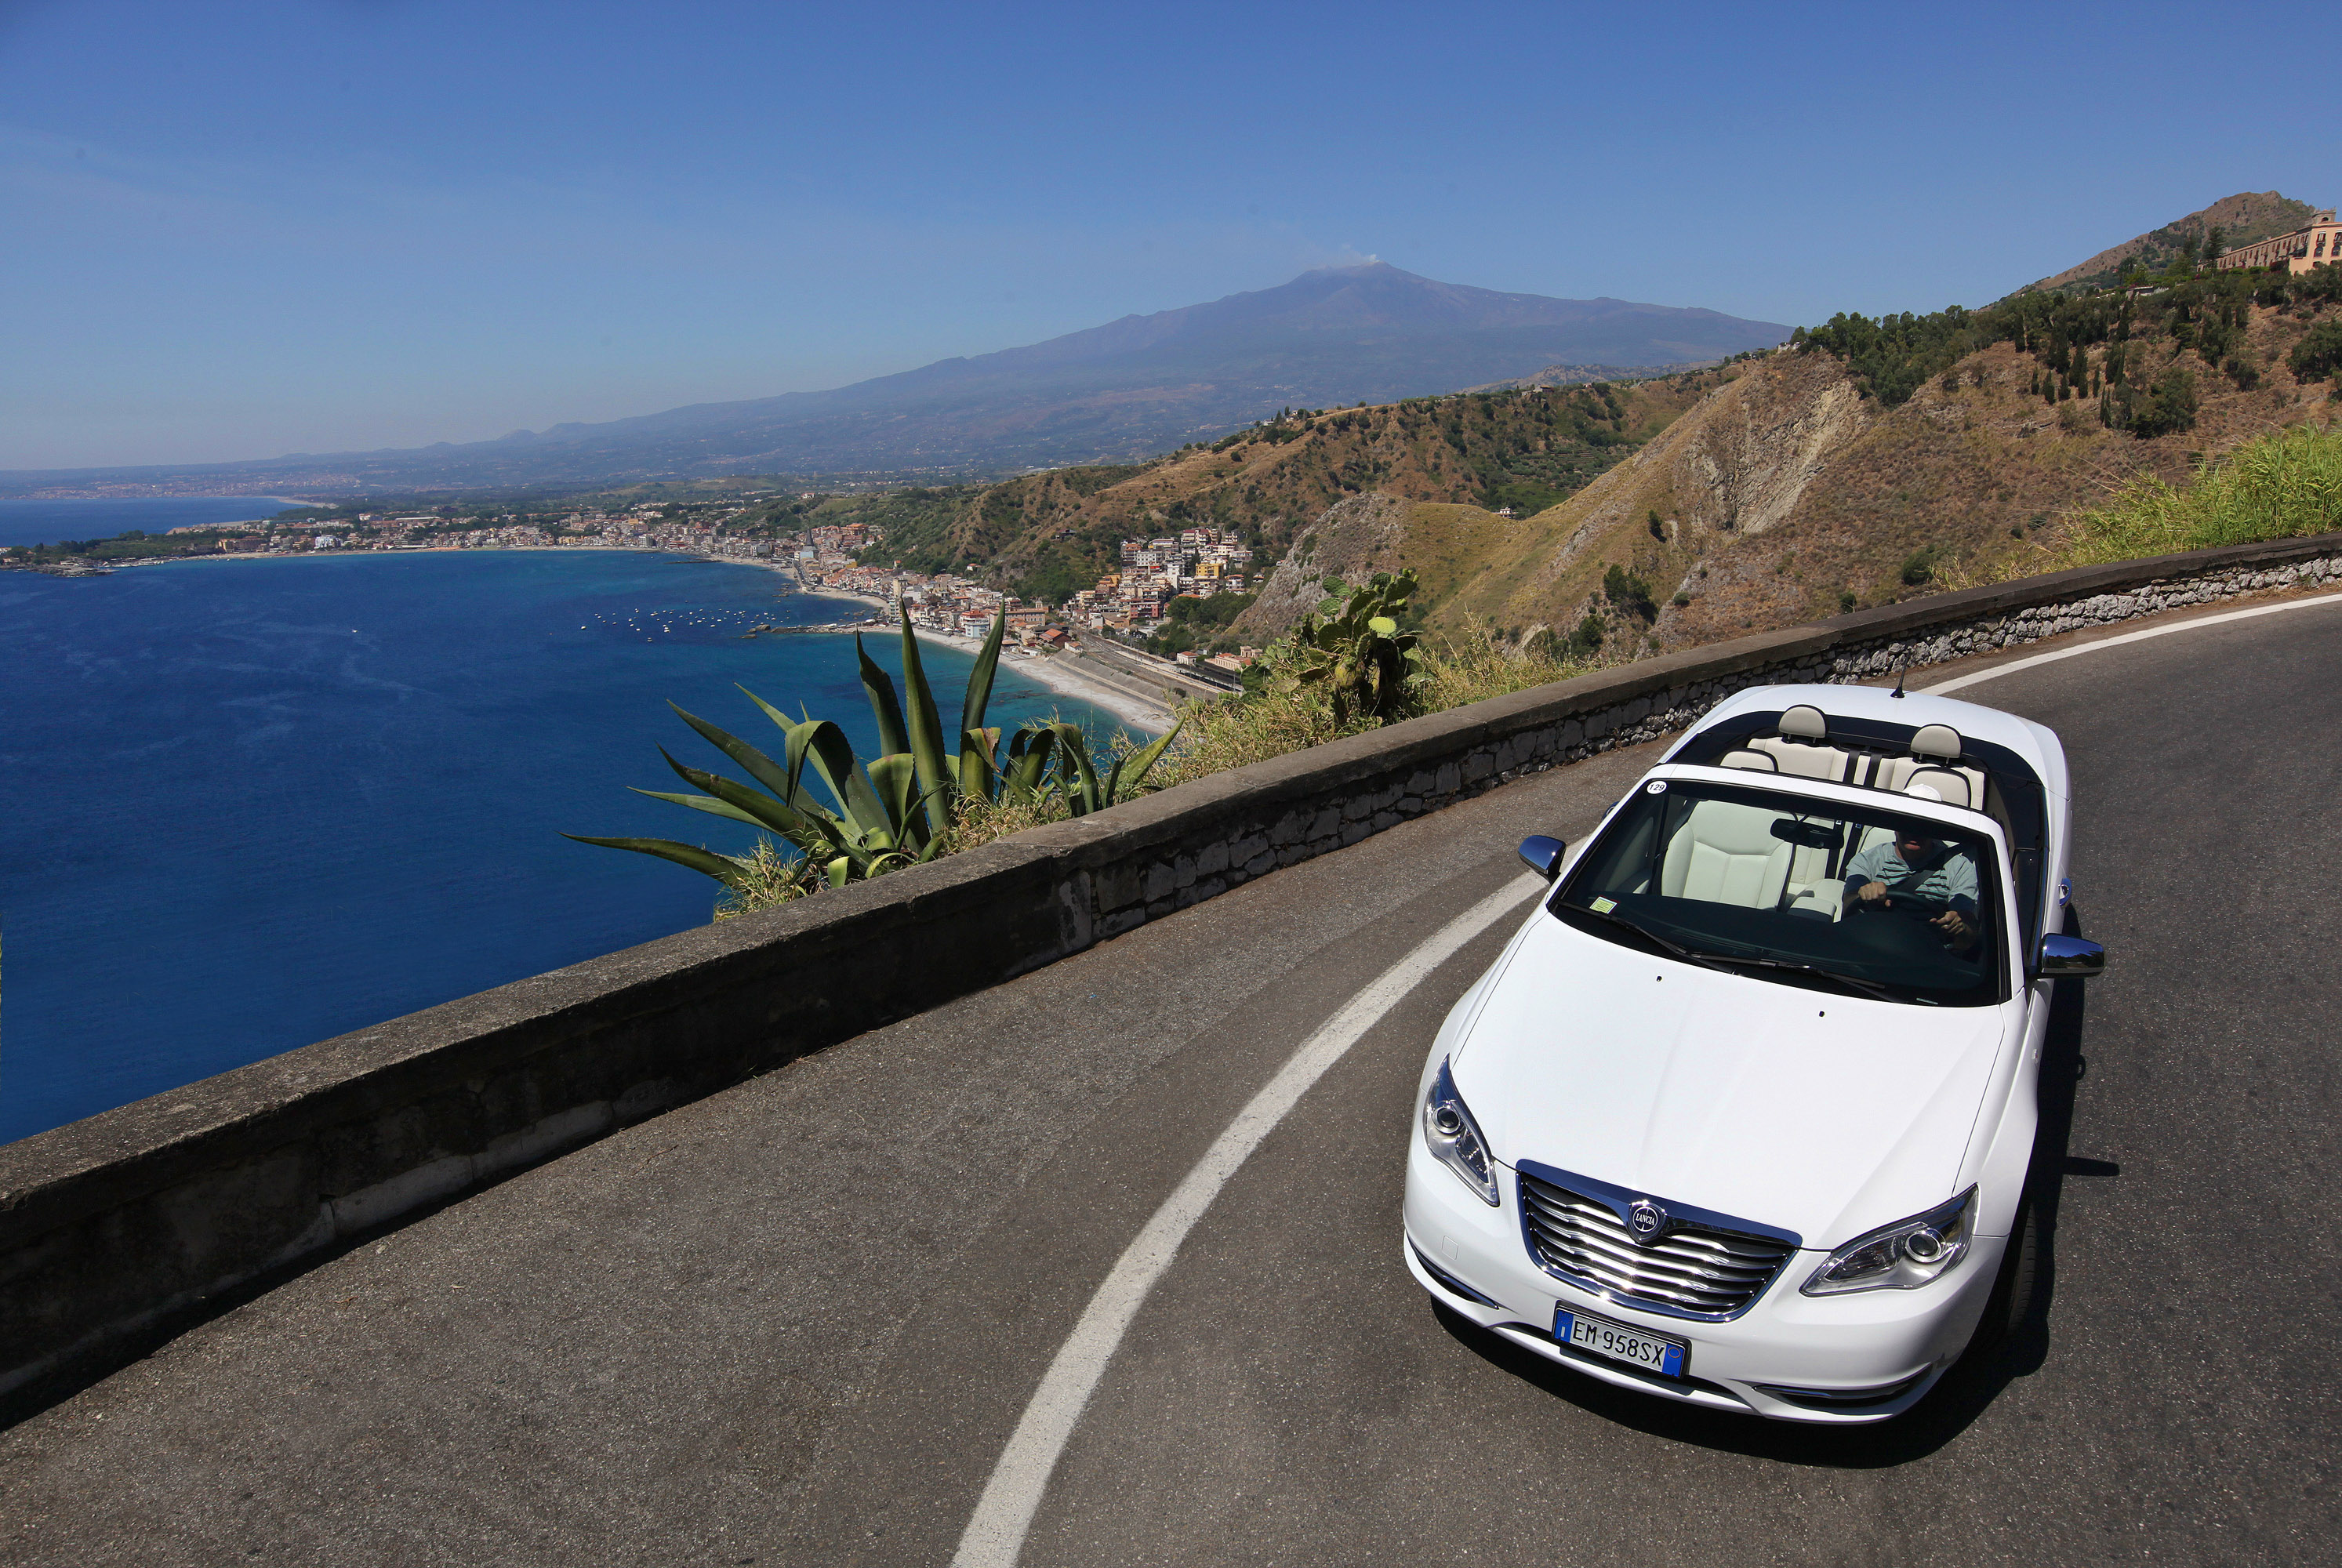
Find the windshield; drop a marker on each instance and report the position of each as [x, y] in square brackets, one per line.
[1795, 890]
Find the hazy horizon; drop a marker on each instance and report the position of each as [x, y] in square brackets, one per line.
[289, 227]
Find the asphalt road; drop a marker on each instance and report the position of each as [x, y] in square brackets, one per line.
[796, 1322]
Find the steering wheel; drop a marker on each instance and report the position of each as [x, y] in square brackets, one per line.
[1911, 905]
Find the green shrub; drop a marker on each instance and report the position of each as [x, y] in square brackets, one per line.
[2319, 353]
[1630, 594]
[2274, 487]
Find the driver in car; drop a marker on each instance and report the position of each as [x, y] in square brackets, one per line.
[1915, 866]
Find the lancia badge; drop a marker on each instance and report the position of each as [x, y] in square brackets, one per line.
[1646, 1219]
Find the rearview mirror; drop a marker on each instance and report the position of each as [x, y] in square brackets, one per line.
[1811, 834]
[2071, 958]
[1543, 855]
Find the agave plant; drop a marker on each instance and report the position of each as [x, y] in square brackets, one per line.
[1077, 777]
[870, 818]
[1358, 653]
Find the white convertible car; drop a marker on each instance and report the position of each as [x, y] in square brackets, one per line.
[1744, 1113]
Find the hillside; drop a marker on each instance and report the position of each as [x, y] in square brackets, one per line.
[1046, 534]
[1787, 492]
[1120, 392]
[2241, 219]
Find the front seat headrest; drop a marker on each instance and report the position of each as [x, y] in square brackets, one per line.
[1806, 722]
[1937, 741]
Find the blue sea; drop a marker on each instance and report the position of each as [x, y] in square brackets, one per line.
[52, 522]
[248, 805]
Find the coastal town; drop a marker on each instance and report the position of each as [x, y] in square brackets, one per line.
[1121, 607]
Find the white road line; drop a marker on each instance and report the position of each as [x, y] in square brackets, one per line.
[995, 1533]
[2014, 665]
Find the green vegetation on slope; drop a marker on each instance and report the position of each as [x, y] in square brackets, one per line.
[1894, 355]
[2281, 485]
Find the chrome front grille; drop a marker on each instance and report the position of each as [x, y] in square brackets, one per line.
[1691, 1270]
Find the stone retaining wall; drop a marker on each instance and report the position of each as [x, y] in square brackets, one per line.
[123, 1224]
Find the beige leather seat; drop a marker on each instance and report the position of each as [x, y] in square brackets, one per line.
[1932, 770]
[1726, 854]
[1803, 747]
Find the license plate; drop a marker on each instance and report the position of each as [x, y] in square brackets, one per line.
[1607, 1339]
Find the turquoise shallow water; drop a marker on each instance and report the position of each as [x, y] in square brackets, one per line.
[246, 805]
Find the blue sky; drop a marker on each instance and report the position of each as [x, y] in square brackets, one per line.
[323, 224]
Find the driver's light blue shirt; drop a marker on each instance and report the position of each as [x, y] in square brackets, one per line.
[1952, 881]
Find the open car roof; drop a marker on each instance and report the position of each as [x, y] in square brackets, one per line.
[1876, 742]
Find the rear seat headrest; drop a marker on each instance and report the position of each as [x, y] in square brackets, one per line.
[1807, 723]
[1937, 741]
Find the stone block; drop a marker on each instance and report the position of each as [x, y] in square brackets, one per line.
[1117, 886]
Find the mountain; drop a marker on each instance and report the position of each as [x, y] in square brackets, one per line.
[1333, 336]
[2242, 219]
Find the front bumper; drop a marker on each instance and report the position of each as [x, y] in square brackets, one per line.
[1843, 1359]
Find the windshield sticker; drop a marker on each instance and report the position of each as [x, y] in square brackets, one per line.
[1602, 905]
[1656, 786]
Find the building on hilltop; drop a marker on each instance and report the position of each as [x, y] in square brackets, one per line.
[2317, 243]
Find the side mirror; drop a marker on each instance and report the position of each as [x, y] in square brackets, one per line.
[1543, 855]
[2071, 958]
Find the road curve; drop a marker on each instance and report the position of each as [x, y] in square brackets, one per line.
[797, 1322]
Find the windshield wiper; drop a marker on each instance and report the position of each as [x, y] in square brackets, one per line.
[1672, 949]
[1860, 987]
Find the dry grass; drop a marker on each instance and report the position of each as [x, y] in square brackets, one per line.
[768, 880]
[982, 821]
[1220, 734]
[1473, 668]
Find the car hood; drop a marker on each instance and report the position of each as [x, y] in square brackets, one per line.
[1805, 1110]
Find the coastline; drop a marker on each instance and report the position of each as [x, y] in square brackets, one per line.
[1044, 669]
[1153, 718]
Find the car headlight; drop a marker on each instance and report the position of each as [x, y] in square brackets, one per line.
[1902, 1256]
[1453, 1138]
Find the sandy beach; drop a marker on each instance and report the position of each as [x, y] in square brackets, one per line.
[1050, 671]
